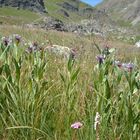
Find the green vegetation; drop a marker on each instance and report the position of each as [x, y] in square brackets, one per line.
[76, 91]
[43, 94]
[13, 16]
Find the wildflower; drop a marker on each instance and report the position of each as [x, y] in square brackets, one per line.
[5, 41]
[97, 120]
[32, 48]
[128, 66]
[72, 54]
[17, 38]
[100, 59]
[118, 63]
[76, 125]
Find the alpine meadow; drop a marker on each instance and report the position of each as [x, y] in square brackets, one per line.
[69, 71]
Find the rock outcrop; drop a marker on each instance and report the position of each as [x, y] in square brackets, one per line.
[33, 5]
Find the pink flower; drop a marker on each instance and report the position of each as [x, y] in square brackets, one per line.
[76, 125]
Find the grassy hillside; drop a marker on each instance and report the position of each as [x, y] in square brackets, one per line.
[9, 15]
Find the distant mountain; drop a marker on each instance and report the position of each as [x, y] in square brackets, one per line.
[128, 10]
[33, 5]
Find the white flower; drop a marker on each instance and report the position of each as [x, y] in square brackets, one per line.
[97, 120]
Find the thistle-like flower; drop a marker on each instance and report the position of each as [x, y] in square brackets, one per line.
[5, 41]
[128, 66]
[76, 125]
[73, 54]
[100, 58]
[17, 38]
[32, 47]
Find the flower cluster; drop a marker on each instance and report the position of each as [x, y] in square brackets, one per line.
[104, 54]
[33, 47]
[7, 41]
[125, 66]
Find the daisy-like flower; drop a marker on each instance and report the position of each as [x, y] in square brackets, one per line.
[76, 125]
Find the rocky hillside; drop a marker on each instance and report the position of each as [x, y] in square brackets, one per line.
[33, 5]
[128, 10]
[62, 15]
[76, 16]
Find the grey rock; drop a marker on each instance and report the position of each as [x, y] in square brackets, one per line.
[63, 12]
[50, 23]
[68, 6]
[33, 5]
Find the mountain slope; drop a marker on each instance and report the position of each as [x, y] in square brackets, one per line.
[68, 10]
[33, 5]
[128, 10]
[62, 15]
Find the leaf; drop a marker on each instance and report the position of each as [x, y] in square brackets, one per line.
[75, 74]
[4, 52]
[98, 48]
[62, 78]
[18, 67]
[70, 64]
[112, 50]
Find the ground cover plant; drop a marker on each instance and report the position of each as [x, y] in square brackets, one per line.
[89, 95]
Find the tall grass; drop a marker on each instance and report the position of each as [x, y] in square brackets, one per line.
[41, 95]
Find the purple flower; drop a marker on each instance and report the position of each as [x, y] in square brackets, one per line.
[100, 59]
[17, 38]
[76, 125]
[73, 53]
[128, 66]
[5, 41]
[32, 48]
